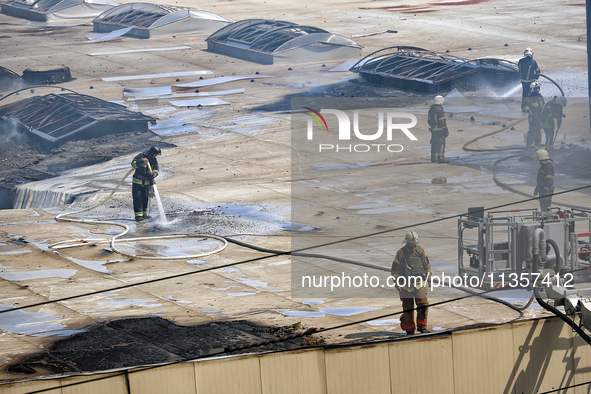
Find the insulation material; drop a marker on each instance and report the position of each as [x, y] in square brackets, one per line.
[216, 81]
[108, 36]
[199, 102]
[182, 95]
[154, 76]
[147, 92]
[137, 50]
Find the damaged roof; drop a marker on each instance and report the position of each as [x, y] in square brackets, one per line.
[269, 41]
[419, 69]
[56, 118]
[51, 10]
[151, 20]
[8, 78]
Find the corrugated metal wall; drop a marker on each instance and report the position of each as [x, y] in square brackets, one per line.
[523, 357]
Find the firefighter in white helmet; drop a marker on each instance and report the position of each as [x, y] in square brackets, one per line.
[545, 179]
[412, 272]
[529, 71]
[438, 129]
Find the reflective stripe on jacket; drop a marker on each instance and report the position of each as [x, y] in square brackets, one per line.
[528, 68]
[436, 118]
[142, 175]
[545, 180]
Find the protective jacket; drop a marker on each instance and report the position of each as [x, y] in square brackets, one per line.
[409, 263]
[545, 180]
[436, 119]
[552, 110]
[528, 69]
[533, 104]
[142, 175]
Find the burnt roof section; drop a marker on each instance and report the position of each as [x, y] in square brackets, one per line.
[61, 117]
[8, 78]
[266, 41]
[150, 20]
[44, 10]
[419, 69]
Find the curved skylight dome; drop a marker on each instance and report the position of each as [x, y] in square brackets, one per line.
[45, 10]
[150, 20]
[269, 41]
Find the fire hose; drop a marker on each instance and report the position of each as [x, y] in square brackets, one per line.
[72, 243]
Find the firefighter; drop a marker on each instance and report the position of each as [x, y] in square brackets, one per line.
[438, 129]
[533, 105]
[528, 70]
[143, 179]
[545, 180]
[552, 110]
[412, 272]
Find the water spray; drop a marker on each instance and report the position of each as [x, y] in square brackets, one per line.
[74, 243]
[157, 196]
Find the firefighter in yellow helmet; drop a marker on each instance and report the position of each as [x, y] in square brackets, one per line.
[533, 105]
[411, 271]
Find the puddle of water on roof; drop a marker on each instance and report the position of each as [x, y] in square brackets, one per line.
[59, 333]
[385, 322]
[347, 311]
[224, 288]
[250, 282]
[25, 322]
[303, 314]
[207, 311]
[230, 270]
[18, 276]
[328, 311]
[312, 302]
[92, 265]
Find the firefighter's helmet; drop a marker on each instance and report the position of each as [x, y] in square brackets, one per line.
[438, 100]
[155, 151]
[528, 52]
[561, 100]
[411, 238]
[541, 154]
[534, 85]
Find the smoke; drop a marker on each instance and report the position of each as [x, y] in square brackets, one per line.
[12, 129]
